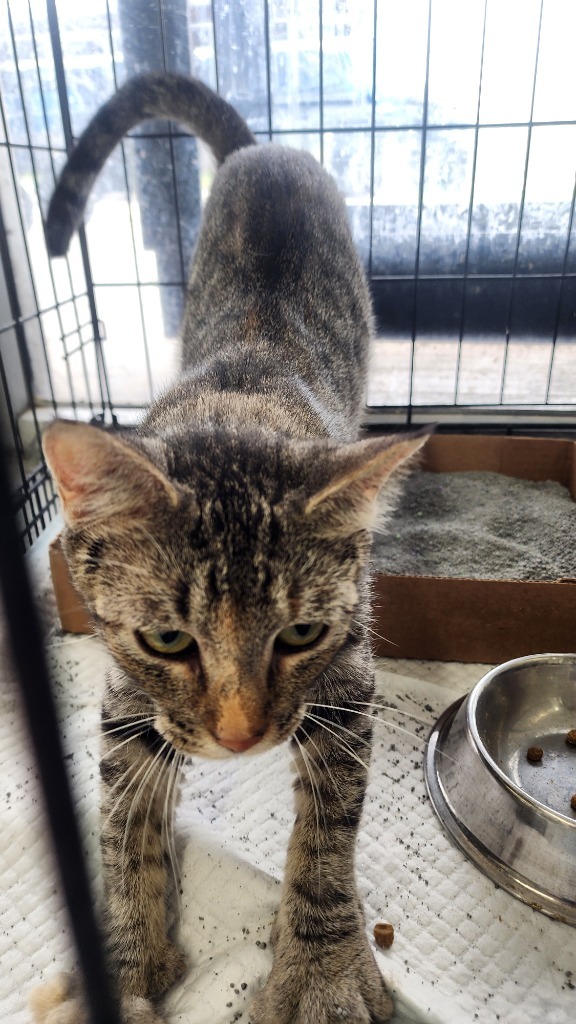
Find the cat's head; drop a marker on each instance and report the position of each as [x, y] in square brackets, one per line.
[223, 570]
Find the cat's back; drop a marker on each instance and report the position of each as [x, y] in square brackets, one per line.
[276, 277]
[275, 211]
[276, 305]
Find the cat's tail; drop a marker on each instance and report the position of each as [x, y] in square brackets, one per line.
[146, 97]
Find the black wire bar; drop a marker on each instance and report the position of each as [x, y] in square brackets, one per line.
[521, 209]
[27, 655]
[131, 218]
[462, 321]
[564, 275]
[58, 58]
[419, 217]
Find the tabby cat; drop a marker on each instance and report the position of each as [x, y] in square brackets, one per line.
[222, 549]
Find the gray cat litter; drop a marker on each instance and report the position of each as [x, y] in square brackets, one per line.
[480, 525]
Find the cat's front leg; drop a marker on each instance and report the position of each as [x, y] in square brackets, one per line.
[324, 970]
[140, 775]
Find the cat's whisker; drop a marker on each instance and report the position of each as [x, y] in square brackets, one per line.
[381, 706]
[168, 814]
[307, 753]
[345, 746]
[327, 767]
[373, 716]
[373, 632]
[125, 716]
[161, 776]
[118, 746]
[136, 775]
[316, 798]
[134, 721]
[150, 768]
[361, 739]
[71, 641]
[384, 722]
[122, 795]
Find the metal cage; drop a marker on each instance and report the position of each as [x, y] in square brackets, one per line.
[460, 191]
[457, 168]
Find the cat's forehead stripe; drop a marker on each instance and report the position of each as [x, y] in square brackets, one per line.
[183, 599]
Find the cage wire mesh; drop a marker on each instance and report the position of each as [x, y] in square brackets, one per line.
[450, 128]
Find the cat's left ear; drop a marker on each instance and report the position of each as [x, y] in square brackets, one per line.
[358, 473]
[99, 476]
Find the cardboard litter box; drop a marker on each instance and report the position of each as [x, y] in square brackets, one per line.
[434, 618]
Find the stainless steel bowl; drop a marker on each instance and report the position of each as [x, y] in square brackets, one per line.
[510, 816]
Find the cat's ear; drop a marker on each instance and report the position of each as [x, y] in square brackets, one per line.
[98, 476]
[357, 474]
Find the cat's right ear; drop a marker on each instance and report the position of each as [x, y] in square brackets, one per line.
[101, 477]
[355, 476]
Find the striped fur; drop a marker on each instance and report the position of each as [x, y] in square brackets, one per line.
[146, 97]
[240, 507]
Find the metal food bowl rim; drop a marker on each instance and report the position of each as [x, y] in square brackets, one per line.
[530, 889]
[474, 737]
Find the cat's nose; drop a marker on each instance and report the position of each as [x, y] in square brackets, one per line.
[235, 728]
[237, 744]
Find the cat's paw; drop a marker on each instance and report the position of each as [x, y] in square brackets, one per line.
[346, 987]
[58, 1002]
[163, 967]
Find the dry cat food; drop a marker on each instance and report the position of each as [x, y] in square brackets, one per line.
[534, 754]
[573, 801]
[571, 738]
[384, 935]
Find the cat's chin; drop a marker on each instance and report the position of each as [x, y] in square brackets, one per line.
[207, 746]
[214, 751]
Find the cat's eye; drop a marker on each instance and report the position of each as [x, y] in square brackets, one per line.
[303, 634]
[167, 641]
